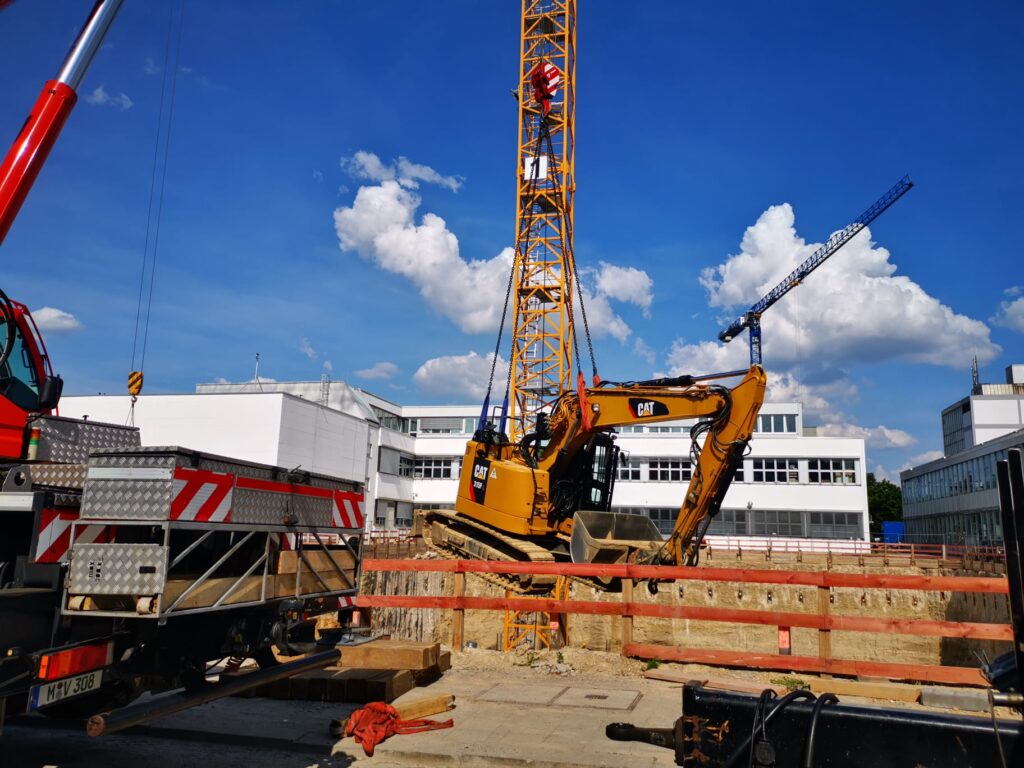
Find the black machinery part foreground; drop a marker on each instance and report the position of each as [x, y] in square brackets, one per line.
[799, 730]
[716, 730]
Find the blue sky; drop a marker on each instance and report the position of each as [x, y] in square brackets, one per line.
[716, 145]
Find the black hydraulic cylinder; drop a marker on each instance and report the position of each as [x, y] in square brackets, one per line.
[119, 719]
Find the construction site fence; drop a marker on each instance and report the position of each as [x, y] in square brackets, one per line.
[822, 619]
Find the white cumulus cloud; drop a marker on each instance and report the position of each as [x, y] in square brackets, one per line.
[627, 284]
[853, 309]
[643, 350]
[366, 165]
[382, 225]
[383, 370]
[53, 320]
[1010, 314]
[461, 375]
[100, 98]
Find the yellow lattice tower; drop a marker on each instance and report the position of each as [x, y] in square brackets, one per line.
[542, 293]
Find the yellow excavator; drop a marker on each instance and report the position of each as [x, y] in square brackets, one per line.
[548, 496]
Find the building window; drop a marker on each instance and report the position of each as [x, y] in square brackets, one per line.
[775, 522]
[628, 470]
[780, 423]
[437, 468]
[776, 471]
[668, 470]
[403, 514]
[664, 518]
[832, 471]
[441, 425]
[388, 420]
[392, 462]
[738, 477]
[729, 522]
[835, 525]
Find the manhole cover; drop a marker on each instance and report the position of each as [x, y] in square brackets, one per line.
[598, 698]
[522, 694]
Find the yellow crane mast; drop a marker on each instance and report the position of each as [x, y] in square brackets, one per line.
[543, 338]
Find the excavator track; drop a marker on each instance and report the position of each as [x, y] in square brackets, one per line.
[456, 536]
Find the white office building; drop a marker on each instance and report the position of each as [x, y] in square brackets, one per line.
[793, 483]
[954, 499]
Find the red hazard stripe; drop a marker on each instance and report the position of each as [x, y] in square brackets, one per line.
[211, 504]
[253, 484]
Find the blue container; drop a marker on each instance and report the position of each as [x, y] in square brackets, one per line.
[893, 532]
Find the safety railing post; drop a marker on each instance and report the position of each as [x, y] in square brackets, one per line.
[458, 613]
[627, 615]
[824, 635]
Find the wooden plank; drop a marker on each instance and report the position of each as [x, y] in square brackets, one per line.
[982, 584]
[309, 584]
[824, 635]
[288, 561]
[918, 627]
[888, 691]
[922, 672]
[391, 654]
[207, 593]
[742, 686]
[672, 677]
[627, 617]
[458, 618]
[408, 710]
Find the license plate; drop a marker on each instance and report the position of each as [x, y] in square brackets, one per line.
[58, 690]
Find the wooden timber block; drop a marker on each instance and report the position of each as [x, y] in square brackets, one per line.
[391, 654]
[366, 685]
[444, 661]
[409, 710]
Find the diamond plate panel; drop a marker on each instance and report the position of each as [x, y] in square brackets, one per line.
[117, 569]
[70, 440]
[62, 476]
[127, 499]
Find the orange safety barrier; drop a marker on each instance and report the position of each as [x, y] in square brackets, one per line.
[822, 620]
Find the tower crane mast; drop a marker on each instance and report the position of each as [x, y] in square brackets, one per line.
[543, 273]
[751, 319]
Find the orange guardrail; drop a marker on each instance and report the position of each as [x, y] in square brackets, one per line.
[822, 620]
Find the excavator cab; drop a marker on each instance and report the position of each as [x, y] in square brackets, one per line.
[27, 383]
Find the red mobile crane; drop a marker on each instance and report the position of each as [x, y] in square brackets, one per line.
[126, 569]
[27, 382]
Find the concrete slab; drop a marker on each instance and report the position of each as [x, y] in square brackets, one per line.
[954, 698]
[511, 693]
[598, 698]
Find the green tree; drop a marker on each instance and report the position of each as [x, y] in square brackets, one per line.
[885, 502]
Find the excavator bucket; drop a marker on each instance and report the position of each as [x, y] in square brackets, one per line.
[610, 537]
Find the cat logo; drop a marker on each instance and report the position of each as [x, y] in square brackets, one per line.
[480, 471]
[645, 409]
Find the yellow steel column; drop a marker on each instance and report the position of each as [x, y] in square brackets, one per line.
[542, 330]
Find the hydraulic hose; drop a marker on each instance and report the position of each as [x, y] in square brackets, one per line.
[812, 732]
[747, 746]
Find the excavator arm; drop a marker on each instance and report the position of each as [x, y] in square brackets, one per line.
[727, 417]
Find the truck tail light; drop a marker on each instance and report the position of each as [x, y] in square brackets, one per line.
[74, 661]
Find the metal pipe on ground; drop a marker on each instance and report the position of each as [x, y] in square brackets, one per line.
[119, 719]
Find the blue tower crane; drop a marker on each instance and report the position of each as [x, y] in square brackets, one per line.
[751, 319]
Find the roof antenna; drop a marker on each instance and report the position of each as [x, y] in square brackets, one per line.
[256, 376]
[975, 380]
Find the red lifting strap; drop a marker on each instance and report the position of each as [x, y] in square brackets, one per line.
[377, 720]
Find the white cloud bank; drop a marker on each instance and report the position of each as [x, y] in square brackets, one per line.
[306, 348]
[853, 310]
[381, 226]
[53, 320]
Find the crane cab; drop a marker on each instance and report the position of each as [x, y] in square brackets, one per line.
[27, 383]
